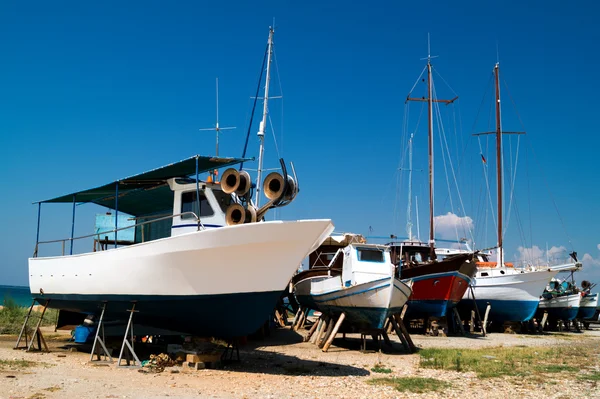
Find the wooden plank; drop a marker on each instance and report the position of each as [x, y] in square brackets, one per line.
[312, 330]
[331, 337]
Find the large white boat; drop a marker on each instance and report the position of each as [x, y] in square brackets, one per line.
[513, 293]
[187, 253]
[359, 281]
[184, 271]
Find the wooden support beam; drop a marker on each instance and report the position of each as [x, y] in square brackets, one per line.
[544, 321]
[331, 337]
[321, 331]
[325, 336]
[312, 330]
[402, 332]
[303, 317]
[38, 333]
[313, 338]
[488, 308]
[296, 317]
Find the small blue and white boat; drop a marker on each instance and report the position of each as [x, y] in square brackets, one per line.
[561, 300]
[365, 289]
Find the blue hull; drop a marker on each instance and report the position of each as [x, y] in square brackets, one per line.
[501, 311]
[586, 313]
[202, 315]
[418, 309]
[560, 313]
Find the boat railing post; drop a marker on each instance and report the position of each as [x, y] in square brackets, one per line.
[63, 247]
[37, 233]
[72, 225]
[116, 210]
[198, 191]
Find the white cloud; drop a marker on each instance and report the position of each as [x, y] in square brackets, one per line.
[448, 226]
[589, 261]
[591, 264]
[536, 254]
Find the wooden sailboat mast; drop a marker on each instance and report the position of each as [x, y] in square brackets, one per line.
[430, 100]
[498, 132]
[499, 160]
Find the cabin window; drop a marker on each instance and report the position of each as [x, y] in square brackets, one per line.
[370, 255]
[189, 204]
[223, 199]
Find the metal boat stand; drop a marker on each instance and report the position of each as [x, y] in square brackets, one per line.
[100, 340]
[227, 355]
[136, 361]
[37, 333]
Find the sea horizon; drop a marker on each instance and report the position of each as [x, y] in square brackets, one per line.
[18, 293]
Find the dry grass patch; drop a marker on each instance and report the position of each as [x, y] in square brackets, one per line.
[411, 384]
[16, 364]
[509, 361]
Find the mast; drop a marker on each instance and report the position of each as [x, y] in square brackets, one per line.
[498, 132]
[430, 100]
[261, 128]
[499, 161]
[408, 211]
[430, 138]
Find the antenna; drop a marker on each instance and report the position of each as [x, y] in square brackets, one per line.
[217, 129]
[497, 53]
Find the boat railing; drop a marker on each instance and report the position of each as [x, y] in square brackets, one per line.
[99, 234]
[322, 264]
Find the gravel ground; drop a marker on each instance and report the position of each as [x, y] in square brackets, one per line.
[284, 367]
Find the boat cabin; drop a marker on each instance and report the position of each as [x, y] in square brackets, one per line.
[365, 262]
[160, 203]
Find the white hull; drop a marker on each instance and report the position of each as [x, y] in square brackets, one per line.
[589, 301]
[368, 304]
[510, 286]
[256, 257]
[512, 295]
[561, 302]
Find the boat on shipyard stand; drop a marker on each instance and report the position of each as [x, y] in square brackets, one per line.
[349, 276]
[212, 252]
[186, 251]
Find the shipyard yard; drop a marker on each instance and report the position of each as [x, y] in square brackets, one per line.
[550, 365]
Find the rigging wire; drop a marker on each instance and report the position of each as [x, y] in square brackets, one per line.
[543, 175]
[443, 134]
[262, 69]
[281, 93]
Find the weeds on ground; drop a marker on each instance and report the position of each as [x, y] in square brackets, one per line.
[593, 376]
[15, 364]
[506, 361]
[12, 317]
[411, 384]
[380, 368]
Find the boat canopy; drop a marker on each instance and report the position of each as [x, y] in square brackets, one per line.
[147, 192]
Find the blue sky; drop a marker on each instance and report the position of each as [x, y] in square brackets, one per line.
[92, 92]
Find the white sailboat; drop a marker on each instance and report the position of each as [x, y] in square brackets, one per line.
[194, 251]
[513, 293]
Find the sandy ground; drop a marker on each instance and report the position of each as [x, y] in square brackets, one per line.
[270, 368]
